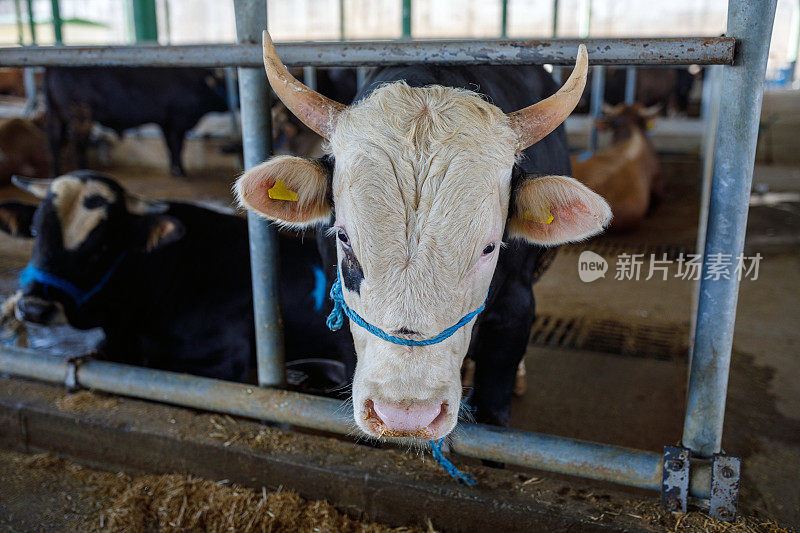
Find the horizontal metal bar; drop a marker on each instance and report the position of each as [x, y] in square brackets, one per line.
[618, 51]
[604, 462]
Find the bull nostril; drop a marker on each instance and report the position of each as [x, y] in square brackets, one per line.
[405, 331]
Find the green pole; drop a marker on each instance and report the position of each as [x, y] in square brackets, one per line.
[20, 27]
[586, 19]
[406, 19]
[555, 18]
[145, 24]
[504, 20]
[31, 22]
[57, 21]
[341, 20]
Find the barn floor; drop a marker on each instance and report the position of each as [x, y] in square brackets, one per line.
[607, 360]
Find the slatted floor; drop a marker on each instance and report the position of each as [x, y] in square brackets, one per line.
[666, 342]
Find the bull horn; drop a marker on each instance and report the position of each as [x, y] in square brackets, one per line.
[316, 111]
[534, 122]
[36, 186]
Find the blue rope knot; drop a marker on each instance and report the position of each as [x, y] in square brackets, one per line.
[450, 468]
[340, 308]
[336, 318]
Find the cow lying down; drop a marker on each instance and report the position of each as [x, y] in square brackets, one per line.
[168, 282]
[627, 173]
[433, 205]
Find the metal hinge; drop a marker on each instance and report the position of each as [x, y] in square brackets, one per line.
[725, 475]
[675, 480]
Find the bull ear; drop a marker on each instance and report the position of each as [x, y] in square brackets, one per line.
[155, 231]
[16, 218]
[552, 210]
[37, 187]
[288, 190]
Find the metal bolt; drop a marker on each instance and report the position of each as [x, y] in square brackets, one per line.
[724, 513]
[727, 472]
[674, 504]
[676, 464]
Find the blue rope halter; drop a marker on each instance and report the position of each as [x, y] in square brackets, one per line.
[340, 308]
[336, 320]
[32, 273]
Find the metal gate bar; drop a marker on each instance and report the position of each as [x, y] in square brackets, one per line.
[734, 156]
[749, 22]
[645, 51]
[251, 19]
[551, 453]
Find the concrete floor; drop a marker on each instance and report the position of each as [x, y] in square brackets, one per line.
[606, 397]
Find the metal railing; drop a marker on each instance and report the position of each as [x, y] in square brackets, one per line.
[744, 54]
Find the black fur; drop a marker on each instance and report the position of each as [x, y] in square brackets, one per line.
[122, 98]
[185, 306]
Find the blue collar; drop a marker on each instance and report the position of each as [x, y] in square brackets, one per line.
[340, 308]
[32, 273]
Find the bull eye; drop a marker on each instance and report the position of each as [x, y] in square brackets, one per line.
[343, 237]
[94, 201]
[489, 248]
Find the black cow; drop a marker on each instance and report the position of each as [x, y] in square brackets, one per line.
[168, 282]
[122, 98]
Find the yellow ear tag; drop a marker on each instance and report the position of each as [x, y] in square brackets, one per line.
[548, 218]
[280, 192]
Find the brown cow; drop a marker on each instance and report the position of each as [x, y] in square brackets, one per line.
[12, 81]
[23, 150]
[627, 173]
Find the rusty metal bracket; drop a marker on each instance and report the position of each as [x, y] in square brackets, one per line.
[675, 481]
[71, 374]
[725, 475]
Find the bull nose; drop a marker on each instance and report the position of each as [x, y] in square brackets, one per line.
[36, 310]
[405, 419]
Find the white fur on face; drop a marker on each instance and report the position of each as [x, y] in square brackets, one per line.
[78, 221]
[421, 186]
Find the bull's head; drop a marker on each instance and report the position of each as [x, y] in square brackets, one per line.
[83, 226]
[422, 192]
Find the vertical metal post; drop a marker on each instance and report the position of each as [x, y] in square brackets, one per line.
[167, 23]
[406, 19]
[709, 112]
[794, 43]
[20, 25]
[504, 19]
[31, 22]
[341, 20]
[231, 96]
[310, 77]
[29, 77]
[630, 85]
[596, 103]
[145, 21]
[555, 18]
[57, 21]
[556, 69]
[251, 20]
[742, 90]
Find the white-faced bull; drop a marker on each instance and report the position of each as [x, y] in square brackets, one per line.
[433, 199]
